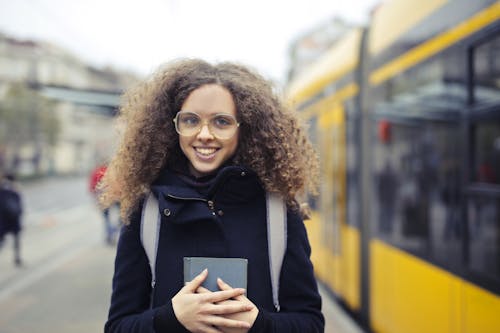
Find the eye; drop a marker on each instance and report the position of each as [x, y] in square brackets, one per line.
[223, 121]
[189, 120]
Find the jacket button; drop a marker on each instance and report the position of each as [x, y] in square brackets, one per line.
[243, 174]
[220, 212]
[166, 212]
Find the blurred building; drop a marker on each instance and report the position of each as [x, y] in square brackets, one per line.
[56, 111]
[310, 46]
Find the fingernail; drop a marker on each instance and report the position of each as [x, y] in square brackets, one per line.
[204, 271]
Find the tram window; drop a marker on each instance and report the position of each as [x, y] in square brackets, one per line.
[426, 73]
[439, 81]
[484, 236]
[417, 190]
[404, 171]
[487, 71]
[487, 153]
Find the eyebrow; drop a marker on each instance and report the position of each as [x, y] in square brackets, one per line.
[212, 113]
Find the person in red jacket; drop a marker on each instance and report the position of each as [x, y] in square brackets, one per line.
[95, 178]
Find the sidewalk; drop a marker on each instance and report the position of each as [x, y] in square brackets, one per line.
[336, 319]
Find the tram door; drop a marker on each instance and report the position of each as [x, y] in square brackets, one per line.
[481, 207]
[332, 148]
[483, 194]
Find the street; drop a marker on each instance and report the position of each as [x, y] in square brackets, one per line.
[65, 281]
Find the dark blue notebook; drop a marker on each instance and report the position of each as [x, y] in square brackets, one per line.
[233, 271]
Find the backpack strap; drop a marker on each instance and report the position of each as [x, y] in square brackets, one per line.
[276, 240]
[150, 232]
[276, 237]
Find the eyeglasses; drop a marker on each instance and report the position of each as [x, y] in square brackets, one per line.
[221, 125]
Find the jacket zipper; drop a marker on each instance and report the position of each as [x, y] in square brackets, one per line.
[210, 203]
[181, 198]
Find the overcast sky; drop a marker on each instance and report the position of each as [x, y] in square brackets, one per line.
[140, 35]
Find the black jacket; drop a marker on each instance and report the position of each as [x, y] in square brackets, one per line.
[221, 217]
[10, 209]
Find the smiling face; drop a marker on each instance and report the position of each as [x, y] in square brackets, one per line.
[205, 152]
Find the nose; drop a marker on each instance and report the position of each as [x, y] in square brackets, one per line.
[204, 133]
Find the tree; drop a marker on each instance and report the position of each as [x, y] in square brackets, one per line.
[27, 118]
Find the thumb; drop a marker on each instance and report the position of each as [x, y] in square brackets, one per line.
[192, 285]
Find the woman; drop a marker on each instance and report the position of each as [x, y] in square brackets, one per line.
[208, 141]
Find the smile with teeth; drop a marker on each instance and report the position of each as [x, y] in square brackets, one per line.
[205, 151]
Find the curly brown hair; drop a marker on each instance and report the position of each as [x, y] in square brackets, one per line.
[272, 142]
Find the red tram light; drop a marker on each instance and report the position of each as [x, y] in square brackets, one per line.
[384, 131]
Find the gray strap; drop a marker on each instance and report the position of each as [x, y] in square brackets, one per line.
[150, 232]
[276, 240]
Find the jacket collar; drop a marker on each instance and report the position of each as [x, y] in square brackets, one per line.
[189, 200]
[229, 181]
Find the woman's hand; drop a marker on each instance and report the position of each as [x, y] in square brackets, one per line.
[246, 316]
[206, 312]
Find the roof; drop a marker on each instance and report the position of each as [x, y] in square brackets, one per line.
[86, 97]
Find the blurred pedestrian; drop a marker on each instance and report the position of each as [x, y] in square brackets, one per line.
[94, 180]
[209, 141]
[11, 210]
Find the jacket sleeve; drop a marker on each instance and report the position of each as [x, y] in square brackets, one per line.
[130, 310]
[299, 298]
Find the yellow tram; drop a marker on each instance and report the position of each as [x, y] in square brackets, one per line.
[405, 114]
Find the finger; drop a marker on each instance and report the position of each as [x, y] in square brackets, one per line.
[211, 329]
[218, 296]
[220, 321]
[224, 286]
[229, 307]
[192, 285]
[202, 290]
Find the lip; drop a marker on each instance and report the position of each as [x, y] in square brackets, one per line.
[205, 157]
